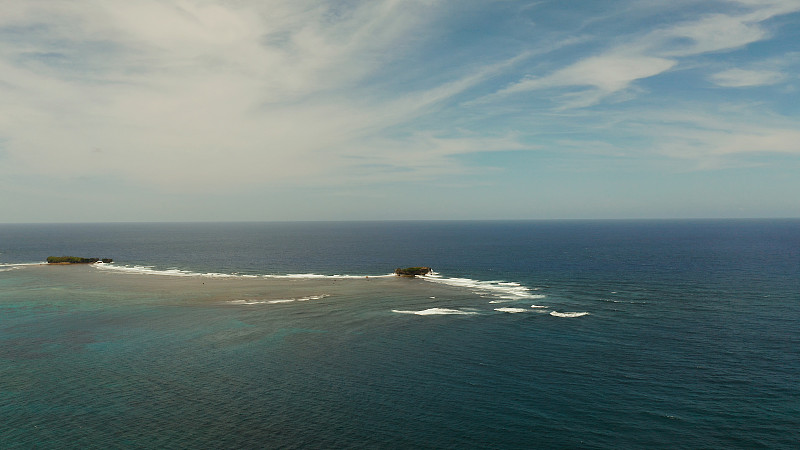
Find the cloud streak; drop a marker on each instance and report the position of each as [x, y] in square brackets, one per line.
[197, 92]
[606, 74]
[644, 56]
[179, 97]
[746, 78]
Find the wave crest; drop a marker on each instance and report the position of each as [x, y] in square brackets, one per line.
[280, 300]
[150, 270]
[511, 310]
[568, 314]
[502, 291]
[435, 311]
[5, 267]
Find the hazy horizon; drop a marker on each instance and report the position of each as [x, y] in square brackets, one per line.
[232, 222]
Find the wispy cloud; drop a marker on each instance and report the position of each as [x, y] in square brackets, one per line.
[195, 92]
[183, 96]
[738, 132]
[607, 74]
[699, 137]
[746, 78]
[642, 56]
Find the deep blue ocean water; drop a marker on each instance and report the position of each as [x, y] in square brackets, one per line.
[692, 337]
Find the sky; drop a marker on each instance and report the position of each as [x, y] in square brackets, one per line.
[274, 110]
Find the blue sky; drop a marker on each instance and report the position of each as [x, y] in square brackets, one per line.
[178, 110]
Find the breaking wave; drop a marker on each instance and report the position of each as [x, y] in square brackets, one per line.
[568, 314]
[307, 276]
[511, 310]
[280, 300]
[149, 270]
[174, 272]
[501, 291]
[5, 267]
[435, 311]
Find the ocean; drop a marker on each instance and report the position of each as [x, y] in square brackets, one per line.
[530, 334]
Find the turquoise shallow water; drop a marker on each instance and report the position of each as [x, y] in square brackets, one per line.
[691, 337]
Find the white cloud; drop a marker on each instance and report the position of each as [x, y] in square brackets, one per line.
[608, 73]
[194, 96]
[702, 139]
[713, 33]
[423, 156]
[705, 146]
[746, 78]
[200, 94]
[770, 8]
[650, 54]
[718, 32]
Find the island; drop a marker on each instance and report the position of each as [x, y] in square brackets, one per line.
[76, 260]
[412, 271]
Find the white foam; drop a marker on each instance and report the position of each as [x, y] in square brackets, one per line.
[500, 290]
[515, 299]
[306, 276]
[435, 311]
[538, 306]
[568, 314]
[608, 300]
[312, 297]
[247, 302]
[149, 270]
[280, 300]
[511, 310]
[5, 267]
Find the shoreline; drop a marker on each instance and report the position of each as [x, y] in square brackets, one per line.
[174, 284]
[224, 288]
[67, 263]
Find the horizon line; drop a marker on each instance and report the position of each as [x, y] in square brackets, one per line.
[621, 219]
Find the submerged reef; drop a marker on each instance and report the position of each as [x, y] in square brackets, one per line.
[412, 271]
[75, 260]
